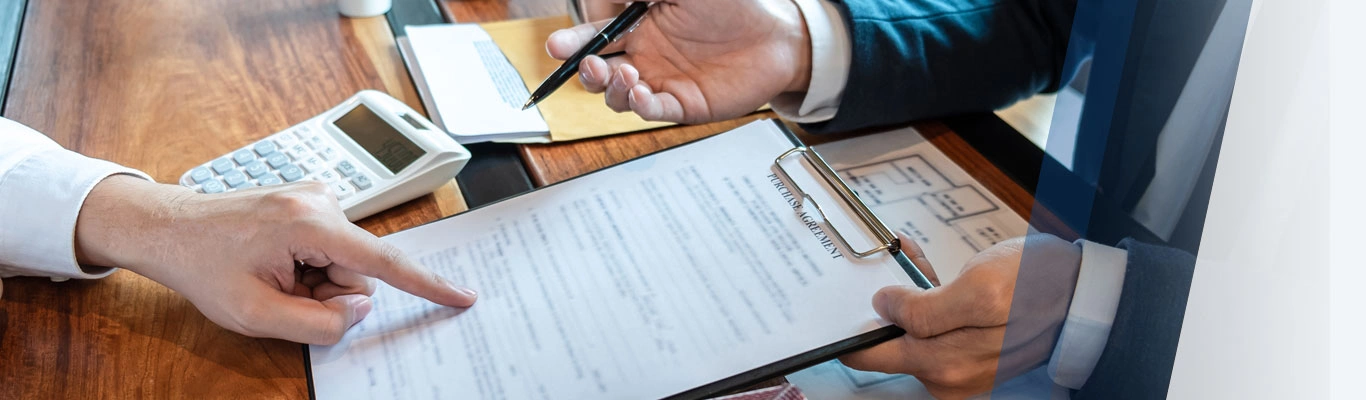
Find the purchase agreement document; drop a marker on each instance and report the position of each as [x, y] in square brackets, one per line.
[639, 281]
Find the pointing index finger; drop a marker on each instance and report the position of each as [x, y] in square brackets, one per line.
[359, 251]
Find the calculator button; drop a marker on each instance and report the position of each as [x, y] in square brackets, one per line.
[242, 157]
[343, 190]
[291, 173]
[316, 142]
[256, 169]
[327, 176]
[269, 180]
[265, 148]
[277, 160]
[345, 168]
[213, 186]
[285, 140]
[201, 174]
[312, 164]
[362, 182]
[222, 166]
[236, 179]
[297, 151]
[329, 153]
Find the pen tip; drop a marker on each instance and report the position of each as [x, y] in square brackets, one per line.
[529, 103]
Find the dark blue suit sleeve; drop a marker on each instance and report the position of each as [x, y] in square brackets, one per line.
[926, 58]
[1137, 360]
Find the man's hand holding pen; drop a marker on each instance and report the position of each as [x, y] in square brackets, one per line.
[696, 61]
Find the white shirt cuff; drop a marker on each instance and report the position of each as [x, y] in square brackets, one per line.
[831, 54]
[40, 197]
[1089, 318]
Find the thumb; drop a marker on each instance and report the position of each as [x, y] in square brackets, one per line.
[305, 320]
[922, 313]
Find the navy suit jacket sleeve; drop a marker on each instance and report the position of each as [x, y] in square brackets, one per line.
[1137, 361]
[918, 59]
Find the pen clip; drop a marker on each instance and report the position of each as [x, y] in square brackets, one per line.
[634, 25]
[614, 39]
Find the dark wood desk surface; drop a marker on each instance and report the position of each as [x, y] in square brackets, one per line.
[162, 85]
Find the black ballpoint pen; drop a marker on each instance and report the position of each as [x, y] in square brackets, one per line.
[622, 24]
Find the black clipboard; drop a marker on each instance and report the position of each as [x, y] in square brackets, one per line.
[886, 241]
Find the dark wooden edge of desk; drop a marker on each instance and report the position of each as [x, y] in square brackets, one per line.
[1001, 144]
[11, 25]
[1021, 161]
[412, 12]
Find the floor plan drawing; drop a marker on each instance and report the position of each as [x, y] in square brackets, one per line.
[891, 186]
[916, 190]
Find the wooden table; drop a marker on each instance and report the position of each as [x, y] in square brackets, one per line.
[162, 85]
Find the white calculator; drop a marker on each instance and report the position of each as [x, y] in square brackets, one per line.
[372, 150]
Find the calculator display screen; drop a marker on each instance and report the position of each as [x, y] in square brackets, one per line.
[376, 136]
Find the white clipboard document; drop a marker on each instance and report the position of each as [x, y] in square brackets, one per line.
[681, 274]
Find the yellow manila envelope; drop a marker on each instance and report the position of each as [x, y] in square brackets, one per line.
[571, 112]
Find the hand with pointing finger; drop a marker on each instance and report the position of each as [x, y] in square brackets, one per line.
[695, 61]
[280, 262]
[963, 337]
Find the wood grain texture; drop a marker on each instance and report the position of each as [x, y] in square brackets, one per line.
[497, 10]
[163, 85]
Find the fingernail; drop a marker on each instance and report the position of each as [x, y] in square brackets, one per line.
[363, 309]
[555, 36]
[469, 296]
[463, 290]
[585, 75]
[619, 82]
[631, 97]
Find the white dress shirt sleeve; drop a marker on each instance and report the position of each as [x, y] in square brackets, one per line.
[1090, 316]
[831, 53]
[42, 188]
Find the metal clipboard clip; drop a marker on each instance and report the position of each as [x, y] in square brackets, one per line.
[886, 239]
